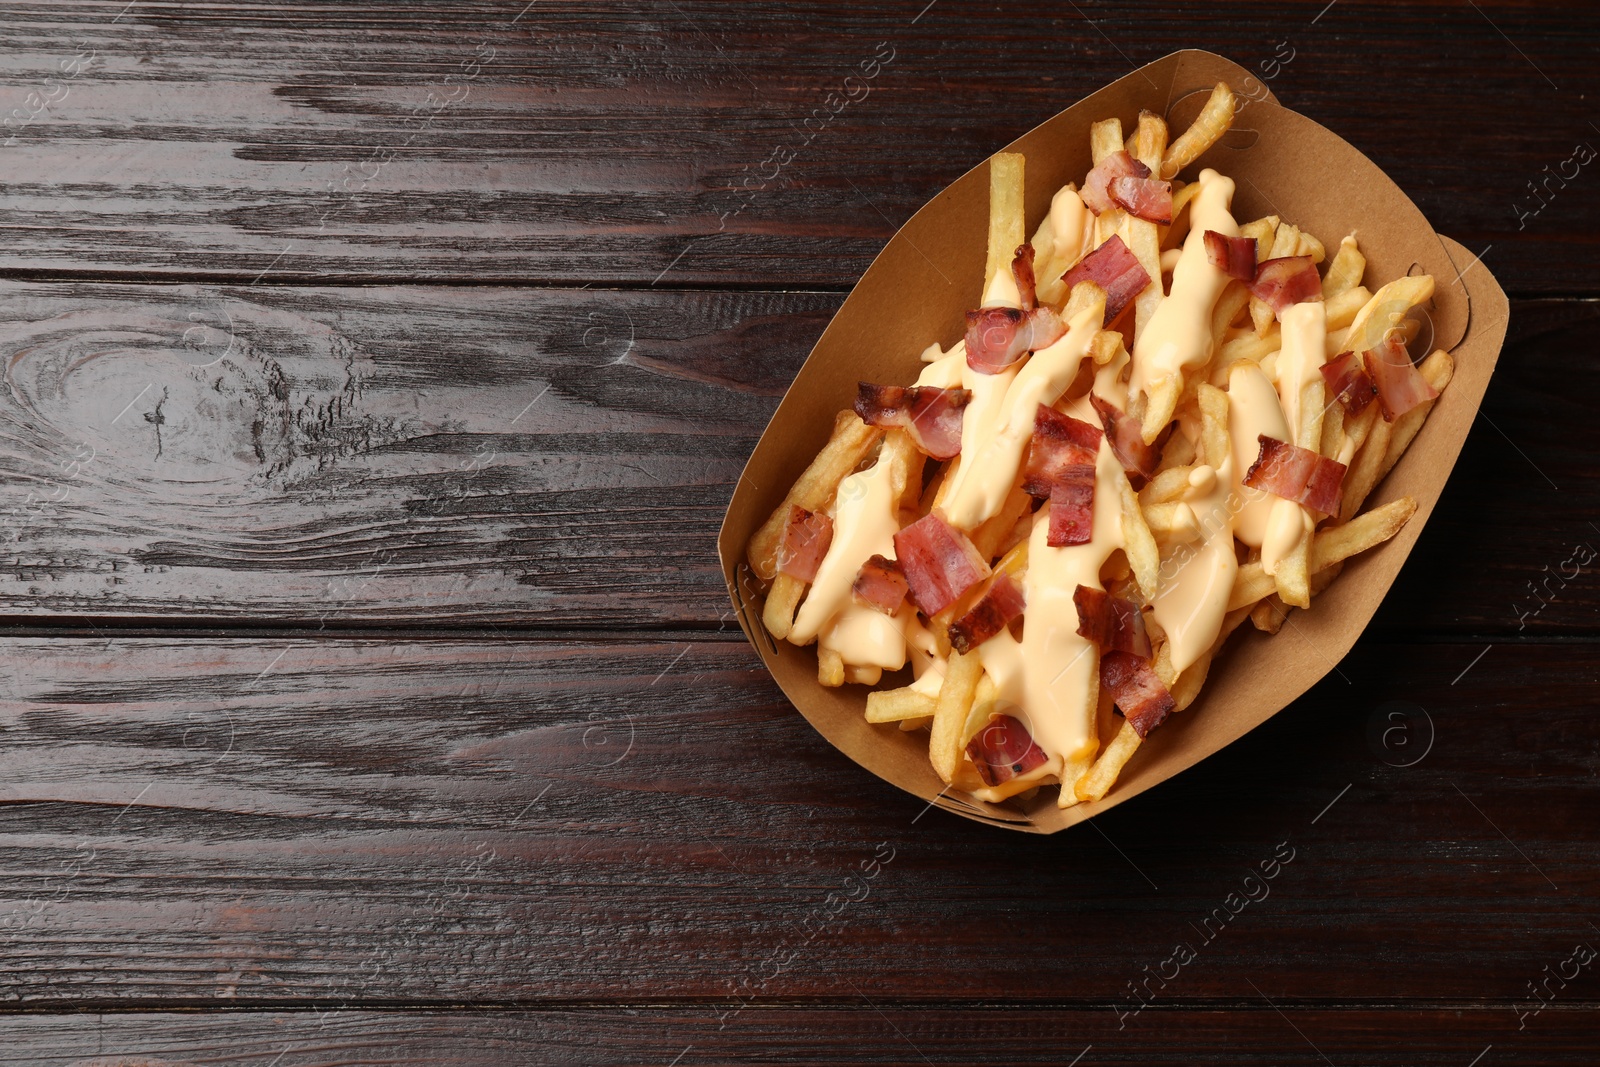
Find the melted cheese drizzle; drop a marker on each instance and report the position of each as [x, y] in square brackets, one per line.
[1071, 226]
[988, 476]
[1252, 411]
[1178, 335]
[1197, 578]
[1299, 363]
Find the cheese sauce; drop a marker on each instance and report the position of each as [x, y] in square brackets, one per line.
[1178, 335]
[1299, 364]
[1197, 578]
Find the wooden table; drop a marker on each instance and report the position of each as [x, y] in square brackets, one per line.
[377, 380]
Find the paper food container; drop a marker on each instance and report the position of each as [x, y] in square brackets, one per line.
[930, 273]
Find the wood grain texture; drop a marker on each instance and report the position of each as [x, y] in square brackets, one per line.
[462, 456]
[861, 1034]
[570, 143]
[274, 819]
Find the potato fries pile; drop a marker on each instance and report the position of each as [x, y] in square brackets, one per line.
[1160, 422]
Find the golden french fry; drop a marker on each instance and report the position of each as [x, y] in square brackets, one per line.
[1285, 242]
[950, 716]
[1386, 309]
[1214, 441]
[1103, 773]
[982, 709]
[1366, 470]
[1173, 521]
[1007, 226]
[1263, 230]
[1137, 540]
[1150, 140]
[1345, 271]
[1106, 346]
[1167, 485]
[1232, 301]
[1268, 615]
[987, 537]
[1332, 430]
[1160, 403]
[1355, 433]
[1144, 241]
[1182, 194]
[830, 668]
[1179, 452]
[1105, 138]
[782, 600]
[848, 446]
[1293, 574]
[1084, 295]
[898, 705]
[1438, 369]
[1212, 122]
[1335, 543]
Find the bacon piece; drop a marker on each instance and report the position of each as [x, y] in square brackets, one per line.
[939, 562]
[1348, 381]
[880, 584]
[1286, 280]
[1136, 690]
[932, 416]
[998, 337]
[805, 542]
[1297, 474]
[1127, 439]
[1144, 198]
[1004, 750]
[1060, 442]
[1022, 271]
[992, 613]
[1117, 165]
[1233, 256]
[1400, 384]
[1113, 623]
[1116, 270]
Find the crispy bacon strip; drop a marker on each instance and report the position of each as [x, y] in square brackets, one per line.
[805, 542]
[1112, 622]
[1022, 271]
[992, 613]
[880, 584]
[1233, 256]
[1096, 187]
[1297, 474]
[1127, 439]
[1349, 381]
[998, 337]
[1400, 384]
[1004, 750]
[1116, 270]
[1136, 690]
[1144, 198]
[932, 416]
[939, 562]
[1286, 280]
[1072, 509]
[1059, 443]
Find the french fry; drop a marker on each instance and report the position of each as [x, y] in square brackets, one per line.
[1232, 301]
[1106, 346]
[987, 537]
[830, 668]
[1144, 241]
[1160, 403]
[1178, 453]
[1084, 295]
[1263, 230]
[1107, 767]
[1346, 269]
[1150, 140]
[1182, 195]
[1332, 430]
[1007, 226]
[1285, 242]
[1137, 540]
[1105, 138]
[1214, 443]
[950, 716]
[1212, 122]
[1333, 544]
[1386, 309]
[898, 705]
[1173, 522]
[851, 441]
[1366, 470]
[1167, 485]
[782, 600]
[1438, 369]
[1268, 615]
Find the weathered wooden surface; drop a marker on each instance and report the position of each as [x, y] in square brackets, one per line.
[281, 818]
[865, 1031]
[447, 457]
[566, 143]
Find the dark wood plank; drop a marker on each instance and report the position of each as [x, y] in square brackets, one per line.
[345, 456]
[276, 818]
[578, 143]
[866, 1032]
